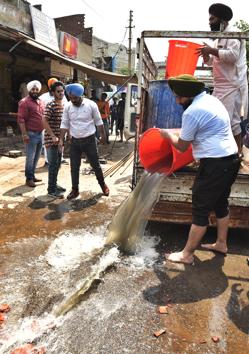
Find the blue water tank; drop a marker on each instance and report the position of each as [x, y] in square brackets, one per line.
[162, 110]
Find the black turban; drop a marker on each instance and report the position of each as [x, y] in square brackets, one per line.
[186, 85]
[221, 11]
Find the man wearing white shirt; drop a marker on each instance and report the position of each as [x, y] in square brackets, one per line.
[228, 57]
[205, 125]
[81, 116]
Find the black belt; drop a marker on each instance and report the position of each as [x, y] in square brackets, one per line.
[83, 139]
[229, 157]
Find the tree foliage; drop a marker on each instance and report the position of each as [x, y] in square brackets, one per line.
[244, 27]
[124, 70]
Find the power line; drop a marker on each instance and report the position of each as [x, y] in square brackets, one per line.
[91, 8]
[120, 43]
[130, 40]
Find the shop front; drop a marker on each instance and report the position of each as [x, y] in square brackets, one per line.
[23, 59]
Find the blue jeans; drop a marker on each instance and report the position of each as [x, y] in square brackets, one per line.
[33, 152]
[54, 162]
[89, 147]
[106, 128]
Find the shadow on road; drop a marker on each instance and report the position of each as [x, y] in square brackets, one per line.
[237, 311]
[18, 191]
[57, 210]
[205, 280]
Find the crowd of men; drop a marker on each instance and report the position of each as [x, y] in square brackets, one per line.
[212, 124]
[64, 112]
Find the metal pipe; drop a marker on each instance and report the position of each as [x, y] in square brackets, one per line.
[121, 173]
[112, 168]
[116, 167]
[119, 164]
[14, 46]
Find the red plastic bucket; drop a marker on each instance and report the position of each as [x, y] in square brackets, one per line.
[182, 58]
[159, 155]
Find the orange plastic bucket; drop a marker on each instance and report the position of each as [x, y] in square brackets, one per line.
[182, 58]
[159, 155]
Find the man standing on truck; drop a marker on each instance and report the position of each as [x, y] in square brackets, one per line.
[228, 57]
[205, 125]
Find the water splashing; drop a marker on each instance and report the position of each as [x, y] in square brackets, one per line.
[129, 222]
[66, 252]
[108, 257]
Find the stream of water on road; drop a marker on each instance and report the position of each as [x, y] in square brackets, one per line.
[47, 280]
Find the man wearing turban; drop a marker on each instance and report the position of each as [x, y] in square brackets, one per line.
[30, 112]
[80, 117]
[228, 57]
[205, 125]
[48, 97]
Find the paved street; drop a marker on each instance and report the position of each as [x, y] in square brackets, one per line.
[48, 251]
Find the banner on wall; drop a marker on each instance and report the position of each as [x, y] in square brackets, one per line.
[44, 29]
[69, 45]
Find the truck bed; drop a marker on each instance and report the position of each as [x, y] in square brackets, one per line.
[175, 201]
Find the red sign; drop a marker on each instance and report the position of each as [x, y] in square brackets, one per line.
[69, 45]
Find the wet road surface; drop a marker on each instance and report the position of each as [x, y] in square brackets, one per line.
[119, 314]
[49, 249]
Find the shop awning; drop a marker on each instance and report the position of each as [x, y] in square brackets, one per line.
[102, 75]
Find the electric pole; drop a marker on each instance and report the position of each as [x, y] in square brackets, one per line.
[129, 51]
[102, 55]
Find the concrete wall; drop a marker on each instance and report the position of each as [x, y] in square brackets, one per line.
[85, 53]
[15, 14]
[103, 48]
[62, 71]
[75, 25]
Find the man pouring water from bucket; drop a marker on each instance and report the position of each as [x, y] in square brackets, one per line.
[205, 125]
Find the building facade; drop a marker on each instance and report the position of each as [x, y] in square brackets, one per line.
[111, 56]
[31, 47]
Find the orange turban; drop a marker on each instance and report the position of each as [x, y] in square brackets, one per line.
[51, 81]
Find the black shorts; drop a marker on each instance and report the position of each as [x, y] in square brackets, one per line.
[212, 187]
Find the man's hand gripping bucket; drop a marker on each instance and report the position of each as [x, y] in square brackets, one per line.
[159, 155]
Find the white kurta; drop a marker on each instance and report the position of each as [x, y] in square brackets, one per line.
[230, 78]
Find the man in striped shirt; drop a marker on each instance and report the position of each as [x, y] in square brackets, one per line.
[52, 121]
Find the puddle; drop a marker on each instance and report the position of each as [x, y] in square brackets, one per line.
[51, 277]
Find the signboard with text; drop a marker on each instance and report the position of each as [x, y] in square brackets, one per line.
[44, 29]
[69, 45]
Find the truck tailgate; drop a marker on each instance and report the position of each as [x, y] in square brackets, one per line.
[174, 204]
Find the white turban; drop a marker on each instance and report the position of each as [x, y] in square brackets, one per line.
[34, 83]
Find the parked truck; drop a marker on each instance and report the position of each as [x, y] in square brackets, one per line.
[156, 107]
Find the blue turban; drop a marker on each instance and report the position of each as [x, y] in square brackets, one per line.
[75, 90]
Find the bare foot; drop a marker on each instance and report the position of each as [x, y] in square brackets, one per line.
[179, 257]
[215, 247]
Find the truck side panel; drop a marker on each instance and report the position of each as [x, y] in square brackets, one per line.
[162, 109]
[175, 201]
